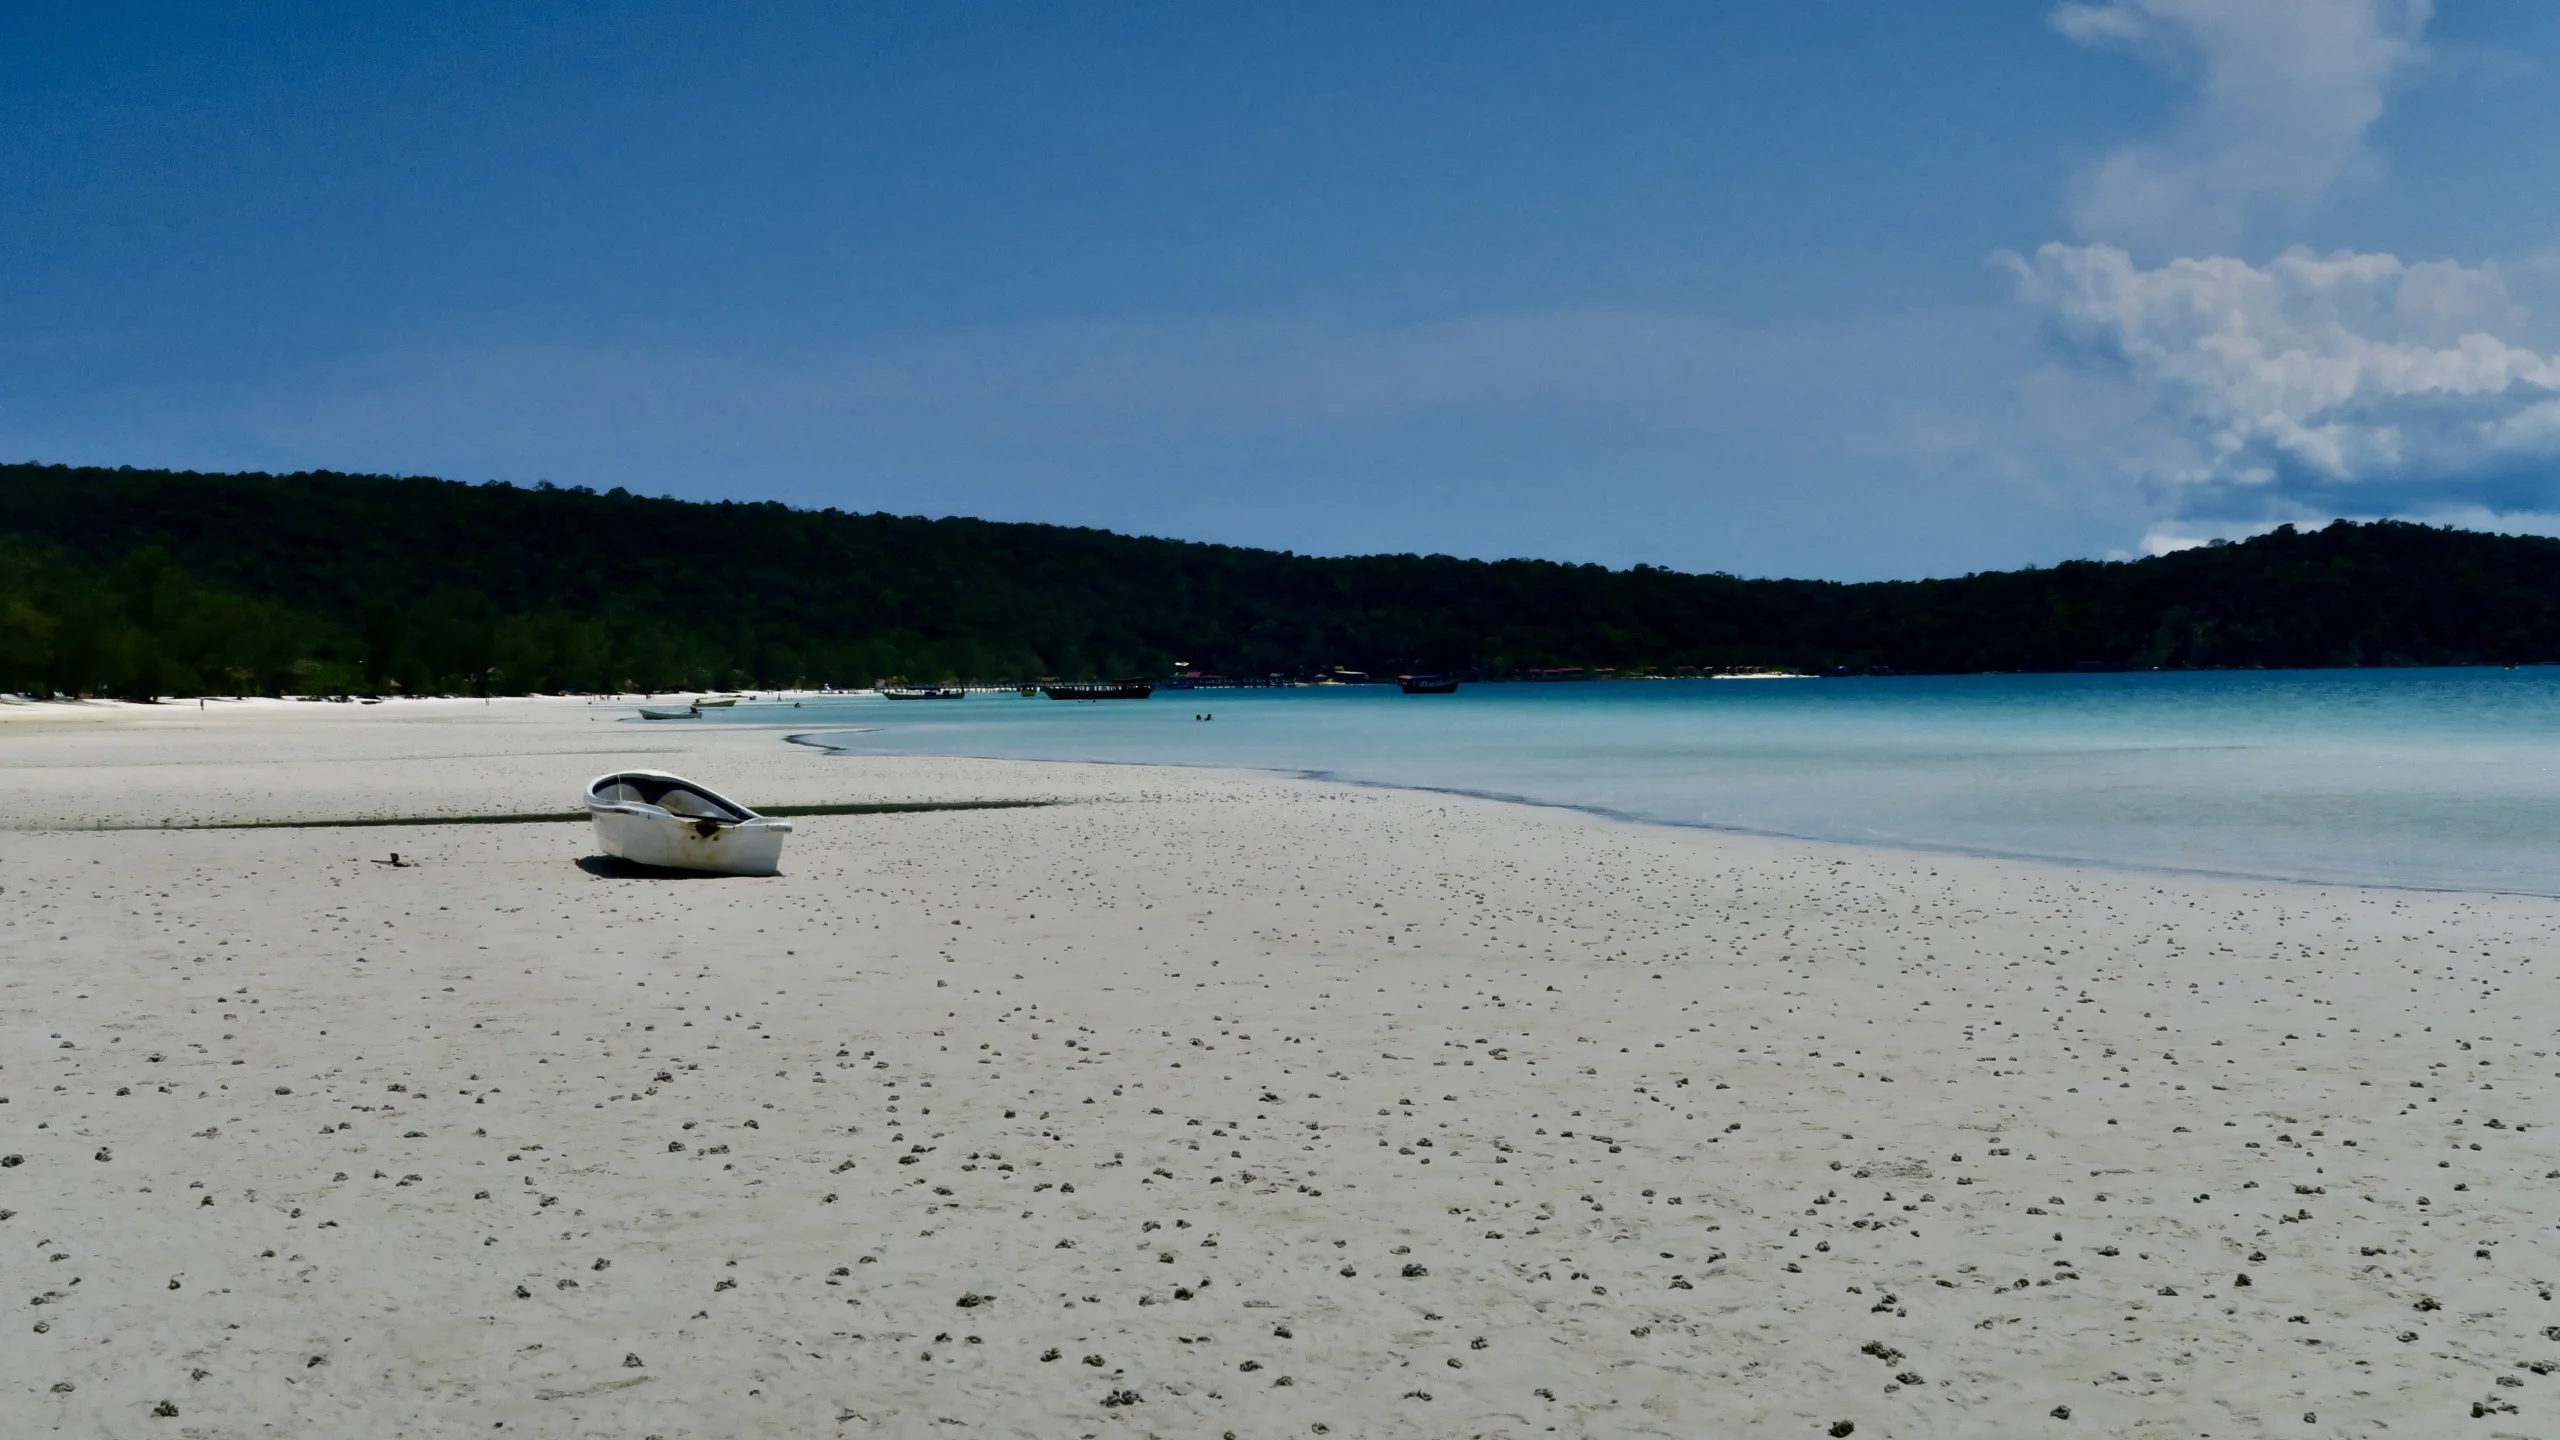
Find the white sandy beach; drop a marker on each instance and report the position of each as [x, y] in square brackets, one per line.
[1207, 1103]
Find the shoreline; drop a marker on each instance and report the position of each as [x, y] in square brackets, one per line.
[555, 708]
[2430, 878]
[1495, 1119]
[2130, 868]
[456, 707]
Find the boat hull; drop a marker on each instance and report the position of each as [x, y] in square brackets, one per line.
[753, 848]
[738, 842]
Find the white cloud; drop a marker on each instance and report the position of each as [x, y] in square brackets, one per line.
[2168, 539]
[2312, 386]
[2282, 94]
[2236, 396]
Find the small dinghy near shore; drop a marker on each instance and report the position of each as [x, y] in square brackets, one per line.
[650, 817]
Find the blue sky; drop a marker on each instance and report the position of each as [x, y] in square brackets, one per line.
[1812, 288]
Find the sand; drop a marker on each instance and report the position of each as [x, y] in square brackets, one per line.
[1207, 1103]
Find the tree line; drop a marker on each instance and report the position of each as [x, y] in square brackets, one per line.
[142, 582]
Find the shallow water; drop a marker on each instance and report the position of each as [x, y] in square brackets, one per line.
[2434, 778]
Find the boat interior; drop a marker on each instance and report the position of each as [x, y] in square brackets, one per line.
[674, 797]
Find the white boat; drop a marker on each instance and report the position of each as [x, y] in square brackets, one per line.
[649, 817]
[650, 712]
[715, 702]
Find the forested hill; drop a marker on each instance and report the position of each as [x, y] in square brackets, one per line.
[155, 582]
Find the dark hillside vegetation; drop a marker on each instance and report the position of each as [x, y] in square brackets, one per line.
[135, 582]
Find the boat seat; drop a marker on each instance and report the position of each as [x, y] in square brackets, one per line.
[692, 806]
[620, 793]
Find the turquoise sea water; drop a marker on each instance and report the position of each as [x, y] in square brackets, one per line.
[2434, 778]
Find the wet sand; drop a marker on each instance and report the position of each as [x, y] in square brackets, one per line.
[1206, 1102]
